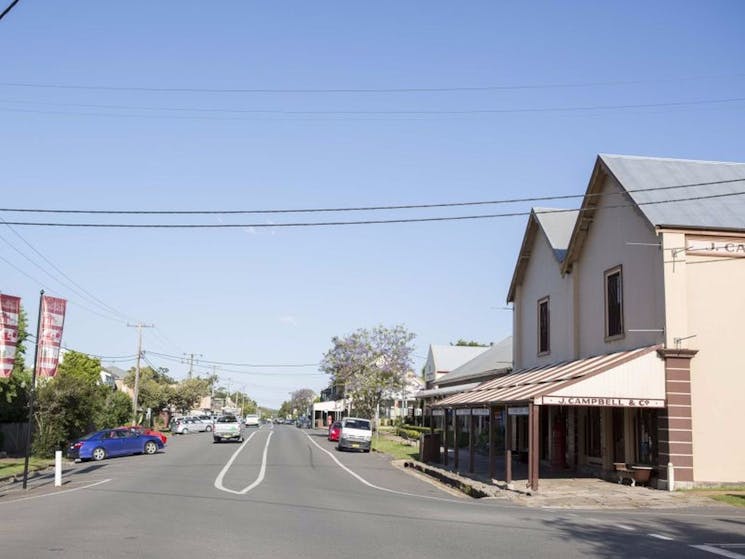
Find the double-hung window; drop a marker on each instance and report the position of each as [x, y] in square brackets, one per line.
[613, 303]
[544, 326]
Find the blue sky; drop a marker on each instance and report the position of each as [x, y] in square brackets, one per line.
[277, 296]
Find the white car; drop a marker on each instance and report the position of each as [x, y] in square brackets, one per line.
[252, 420]
[186, 425]
[356, 434]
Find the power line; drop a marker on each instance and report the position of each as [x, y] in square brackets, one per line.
[491, 87]
[366, 208]
[358, 222]
[10, 7]
[41, 284]
[72, 285]
[233, 364]
[356, 113]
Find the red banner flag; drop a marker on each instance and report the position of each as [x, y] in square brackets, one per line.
[11, 309]
[50, 337]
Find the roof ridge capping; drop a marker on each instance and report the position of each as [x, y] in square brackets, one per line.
[672, 159]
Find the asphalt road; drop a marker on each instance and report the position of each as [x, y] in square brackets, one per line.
[287, 493]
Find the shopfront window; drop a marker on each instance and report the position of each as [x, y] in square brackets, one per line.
[646, 436]
[592, 433]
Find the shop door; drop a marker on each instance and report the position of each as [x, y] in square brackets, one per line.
[619, 452]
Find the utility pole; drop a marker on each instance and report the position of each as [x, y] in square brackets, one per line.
[136, 391]
[191, 362]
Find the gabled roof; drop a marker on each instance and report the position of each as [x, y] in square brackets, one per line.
[445, 358]
[704, 195]
[114, 371]
[495, 360]
[557, 225]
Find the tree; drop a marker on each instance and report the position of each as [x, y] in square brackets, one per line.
[302, 399]
[285, 409]
[155, 388]
[468, 343]
[187, 394]
[368, 363]
[70, 404]
[81, 365]
[116, 411]
[14, 389]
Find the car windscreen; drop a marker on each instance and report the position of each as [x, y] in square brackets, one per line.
[357, 424]
[227, 419]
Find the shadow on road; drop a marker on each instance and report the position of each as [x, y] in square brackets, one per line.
[609, 540]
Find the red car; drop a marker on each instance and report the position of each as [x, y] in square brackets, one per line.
[139, 429]
[334, 431]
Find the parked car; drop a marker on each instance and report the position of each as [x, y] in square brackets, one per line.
[356, 434]
[303, 423]
[335, 431]
[141, 429]
[252, 420]
[186, 425]
[113, 442]
[207, 419]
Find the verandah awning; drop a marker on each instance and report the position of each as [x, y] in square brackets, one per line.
[633, 378]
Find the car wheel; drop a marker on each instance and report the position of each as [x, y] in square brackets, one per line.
[209, 428]
[99, 453]
[185, 432]
[215, 439]
[151, 447]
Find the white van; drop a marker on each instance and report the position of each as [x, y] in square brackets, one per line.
[356, 434]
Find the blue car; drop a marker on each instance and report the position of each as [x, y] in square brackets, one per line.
[113, 442]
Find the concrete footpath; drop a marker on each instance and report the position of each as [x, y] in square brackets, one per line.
[559, 492]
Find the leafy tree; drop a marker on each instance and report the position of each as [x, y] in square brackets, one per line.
[368, 363]
[285, 409]
[81, 365]
[14, 389]
[302, 399]
[155, 388]
[67, 408]
[116, 411]
[468, 343]
[186, 394]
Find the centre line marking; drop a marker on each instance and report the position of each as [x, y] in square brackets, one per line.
[218, 480]
[661, 537]
[719, 551]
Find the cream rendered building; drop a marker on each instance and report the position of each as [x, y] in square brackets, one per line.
[628, 320]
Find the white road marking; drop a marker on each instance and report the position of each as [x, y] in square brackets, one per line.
[218, 480]
[625, 527]
[719, 551]
[372, 485]
[55, 493]
[661, 537]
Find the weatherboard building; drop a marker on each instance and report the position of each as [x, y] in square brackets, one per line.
[628, 328]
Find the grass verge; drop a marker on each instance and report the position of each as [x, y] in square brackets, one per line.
[396, 449]
[14, 466]
[730, 499]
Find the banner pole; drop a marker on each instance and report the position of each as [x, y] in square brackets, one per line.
[31, 393]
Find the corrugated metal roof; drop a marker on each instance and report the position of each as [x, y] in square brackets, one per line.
[436, 392]
[525, 384]
[723, 212]
[558, 227]
[494, 359]
[445, 358]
